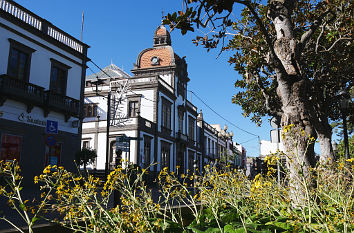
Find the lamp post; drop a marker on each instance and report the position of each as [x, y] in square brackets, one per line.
[344, 104]
[107, 131]
[108, 118]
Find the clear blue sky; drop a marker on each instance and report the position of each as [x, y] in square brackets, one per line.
[118, 30]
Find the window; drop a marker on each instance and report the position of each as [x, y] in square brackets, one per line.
[19, 61]
[155, 61]
[10, 147]
[209, 146]
[180, 121]
[166, 114]
[86, 144]
[191, 161]
[165, 154]
[90, 110]
[58, 77]
[180, 160]
[147, 151]
[191, 123]
[133, 110]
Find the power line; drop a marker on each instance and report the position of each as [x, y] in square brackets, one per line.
[223, 117]
[248, 140]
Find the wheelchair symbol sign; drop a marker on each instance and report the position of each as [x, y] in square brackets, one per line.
[52, 127]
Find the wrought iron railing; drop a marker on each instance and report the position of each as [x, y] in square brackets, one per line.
[182, 136]
[62, 103]
[20, 90]
[32, 94]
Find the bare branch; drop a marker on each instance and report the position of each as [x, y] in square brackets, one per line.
[332, 46]
[319, 37]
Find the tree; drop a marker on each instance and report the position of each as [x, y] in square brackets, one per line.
[85, 156]
[294, 56]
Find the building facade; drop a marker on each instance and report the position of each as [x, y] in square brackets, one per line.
[42, 72]
[150, 116]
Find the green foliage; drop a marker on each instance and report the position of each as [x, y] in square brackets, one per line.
[341, 148]
[85, 156]
[325, 61]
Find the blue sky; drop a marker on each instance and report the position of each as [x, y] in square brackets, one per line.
[118, 30]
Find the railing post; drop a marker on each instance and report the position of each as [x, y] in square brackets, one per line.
[45, 25]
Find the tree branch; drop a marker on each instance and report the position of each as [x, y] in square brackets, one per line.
[332, 46]
[316, 24]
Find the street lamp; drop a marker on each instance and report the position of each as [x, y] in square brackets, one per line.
[108, 118]
[344, 105]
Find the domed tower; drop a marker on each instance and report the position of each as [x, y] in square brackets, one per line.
[161, 59]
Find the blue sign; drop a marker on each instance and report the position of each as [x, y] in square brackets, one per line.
[52, 127]
[50, 140]
[123, 143]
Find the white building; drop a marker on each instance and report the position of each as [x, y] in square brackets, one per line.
[152, 109]
[268, 147]
[42, 71]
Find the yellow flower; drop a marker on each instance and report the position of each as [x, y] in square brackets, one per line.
[350, 160]
[341, 165]
[47, 169]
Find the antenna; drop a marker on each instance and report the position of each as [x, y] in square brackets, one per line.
[82, 23]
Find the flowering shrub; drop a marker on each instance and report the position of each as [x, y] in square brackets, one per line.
[220, 200]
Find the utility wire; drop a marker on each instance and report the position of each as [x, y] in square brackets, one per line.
[223, 117]
[248, 140]
[259, 139]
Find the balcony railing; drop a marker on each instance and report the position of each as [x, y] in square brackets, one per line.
[62, 103]
[166, 130]
[33, 95]
[181, 136]
[41, 25]
[20, 90]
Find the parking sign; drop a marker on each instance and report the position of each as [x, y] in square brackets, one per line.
[52, 127]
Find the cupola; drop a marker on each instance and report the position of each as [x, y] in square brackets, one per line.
[161, 37]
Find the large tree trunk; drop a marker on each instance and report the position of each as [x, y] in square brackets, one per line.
[296, 108]
[300, 153]
[324, 134]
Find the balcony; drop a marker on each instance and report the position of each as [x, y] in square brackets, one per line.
[181, 137]
[166, 131]
[33, 95]
[61, 103]
[22, 91]
[191, 141]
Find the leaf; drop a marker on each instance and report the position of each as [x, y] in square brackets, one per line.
[34, 219]
[22, 206]
[231, 229]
